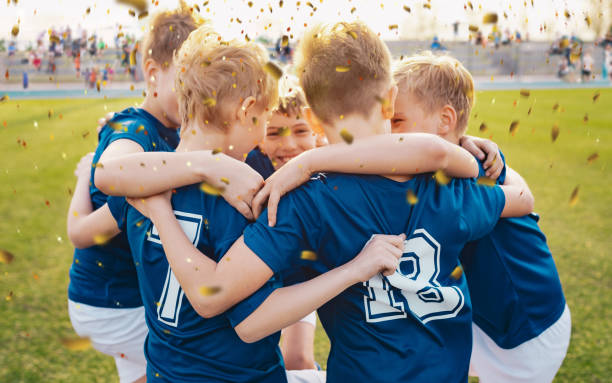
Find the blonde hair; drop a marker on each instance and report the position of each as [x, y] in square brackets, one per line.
[213, 75]
[437, 81]
[291, 97]
[167, 32]
[344, 68]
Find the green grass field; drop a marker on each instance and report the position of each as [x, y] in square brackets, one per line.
[36, 179]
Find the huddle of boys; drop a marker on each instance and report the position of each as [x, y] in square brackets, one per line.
[375, 254]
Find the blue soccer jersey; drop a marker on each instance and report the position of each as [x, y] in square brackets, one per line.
[514, 285]
[260, 163]
[414, 326]
[181, 345]
[104, 276]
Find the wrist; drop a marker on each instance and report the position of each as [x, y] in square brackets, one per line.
[161, 212]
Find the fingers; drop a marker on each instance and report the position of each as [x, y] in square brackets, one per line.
[260, 199]
[394, 240]
[495, 170]
[471, 147]
[491, 159]
[109, 116]
[272, 207]
[244, 209]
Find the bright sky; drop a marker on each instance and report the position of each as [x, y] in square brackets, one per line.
[35, 17]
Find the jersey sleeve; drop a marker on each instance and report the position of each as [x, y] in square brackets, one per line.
[135, 130]
[482, 206]
[118, 207]
[247, 306]
[502, 176]
[297, 228]
[225, 226]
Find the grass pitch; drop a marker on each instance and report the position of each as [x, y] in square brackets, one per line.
[42, 140]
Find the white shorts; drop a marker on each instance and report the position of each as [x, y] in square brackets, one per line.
[310, 318]
[119, 333]
[536, 360]
[306, 376]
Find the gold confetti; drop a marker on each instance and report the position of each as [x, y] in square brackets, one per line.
[285, 41]
[284, 131]
[585, 118]
[209, 101]
[15, 30]
[489, 18]
[76, 344]
[427, 5]
[407, 8]
[525, 92]
[352, 34]
[514, 125]
[6, 256]
[473, 28]
[457, 272]
[4, 98]
[342, 68]
[556, 106]
[574, 197]
[554, 133]
[411, 198]
[139, 223]
[217, 151]
[211, 190]
[592, 158]
[441, 177]
[308, 255]
[142, 15]
[393, 26]
[209, 290]
[346, 136]
[140, 5]
[485, 181]
[353, 10]
[587, 20]
[596, 96]
[273, 70]
[567, 14]
[483, 127]
[100, 239]
[225, 180]
[132, 13]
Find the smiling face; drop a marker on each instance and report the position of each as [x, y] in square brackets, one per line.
[411, 117]
[286, 137]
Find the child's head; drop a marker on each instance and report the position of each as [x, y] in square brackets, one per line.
[435, 95]
[345, 71]
[224, 90]
[167, 32]
[288, 134]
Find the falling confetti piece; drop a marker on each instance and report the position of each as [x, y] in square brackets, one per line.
[4, 98]
[457, 273]
[441, 177]
[100, 239]
[556, 106]
[15, 30]
[592, 158]
[6, 256]
[473, 28]
[554, 133]
[225, 180]
[485, 181]
[211, 190]
[9, 296]
[407, 8]
[140, 5]
[76, 344]
[587, 20]
[342, 68]
[596, 96]
[346, 136]
[489, 18]
[217, 151]
[393, 26]
[574, 197]
[411, 198]
[273, 70]
[483, 127]
[567, 14]
[427, 6]
[525, 93]
[514, 125]
[308, 255]
[142, 15]
[208, 291]
[285, 41]
[209, 101]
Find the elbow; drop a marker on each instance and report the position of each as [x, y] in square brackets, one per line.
[77, 240]
[103, 183]
[529, 201]
[246, 333]
[207, 309]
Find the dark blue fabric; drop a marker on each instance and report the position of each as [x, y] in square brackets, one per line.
[260, 163]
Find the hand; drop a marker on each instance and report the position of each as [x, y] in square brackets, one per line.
[104, 120]
[380, 254]
[238, 181]
[83, 168]
[293, 174]
[149, 205]
[483, 148]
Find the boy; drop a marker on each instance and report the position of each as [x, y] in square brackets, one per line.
[521, 323]
[403, 322]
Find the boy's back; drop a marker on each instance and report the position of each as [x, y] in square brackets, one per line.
[379, 332]
[183, 346]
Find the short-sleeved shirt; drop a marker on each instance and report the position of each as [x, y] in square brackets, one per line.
[182, 346]
[514, 285]
[104, 276]
[415, 325]
[260, 163]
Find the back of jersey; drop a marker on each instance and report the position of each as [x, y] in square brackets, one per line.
[414, 325]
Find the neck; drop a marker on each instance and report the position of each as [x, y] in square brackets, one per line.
[151, 105]
[451, 137]
[193, 138]
[358, 126]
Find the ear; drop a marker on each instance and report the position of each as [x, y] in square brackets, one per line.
[388, 104]
[448, 120]
[312, 120]
[151, 71]
[245, 108]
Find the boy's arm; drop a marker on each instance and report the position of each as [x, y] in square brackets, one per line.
[487, 151]
[289, 304]
[519, 200]
[86, 227]
[145, 174]
[389, 154]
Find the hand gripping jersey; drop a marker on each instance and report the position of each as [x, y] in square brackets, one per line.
[181, 345]
[514, 285]
[414, 326]
[104, 276]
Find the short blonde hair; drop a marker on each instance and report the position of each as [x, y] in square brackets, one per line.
[167, 32]
[344, 68]
[213, 74]
[437, 80]
[291, 97]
